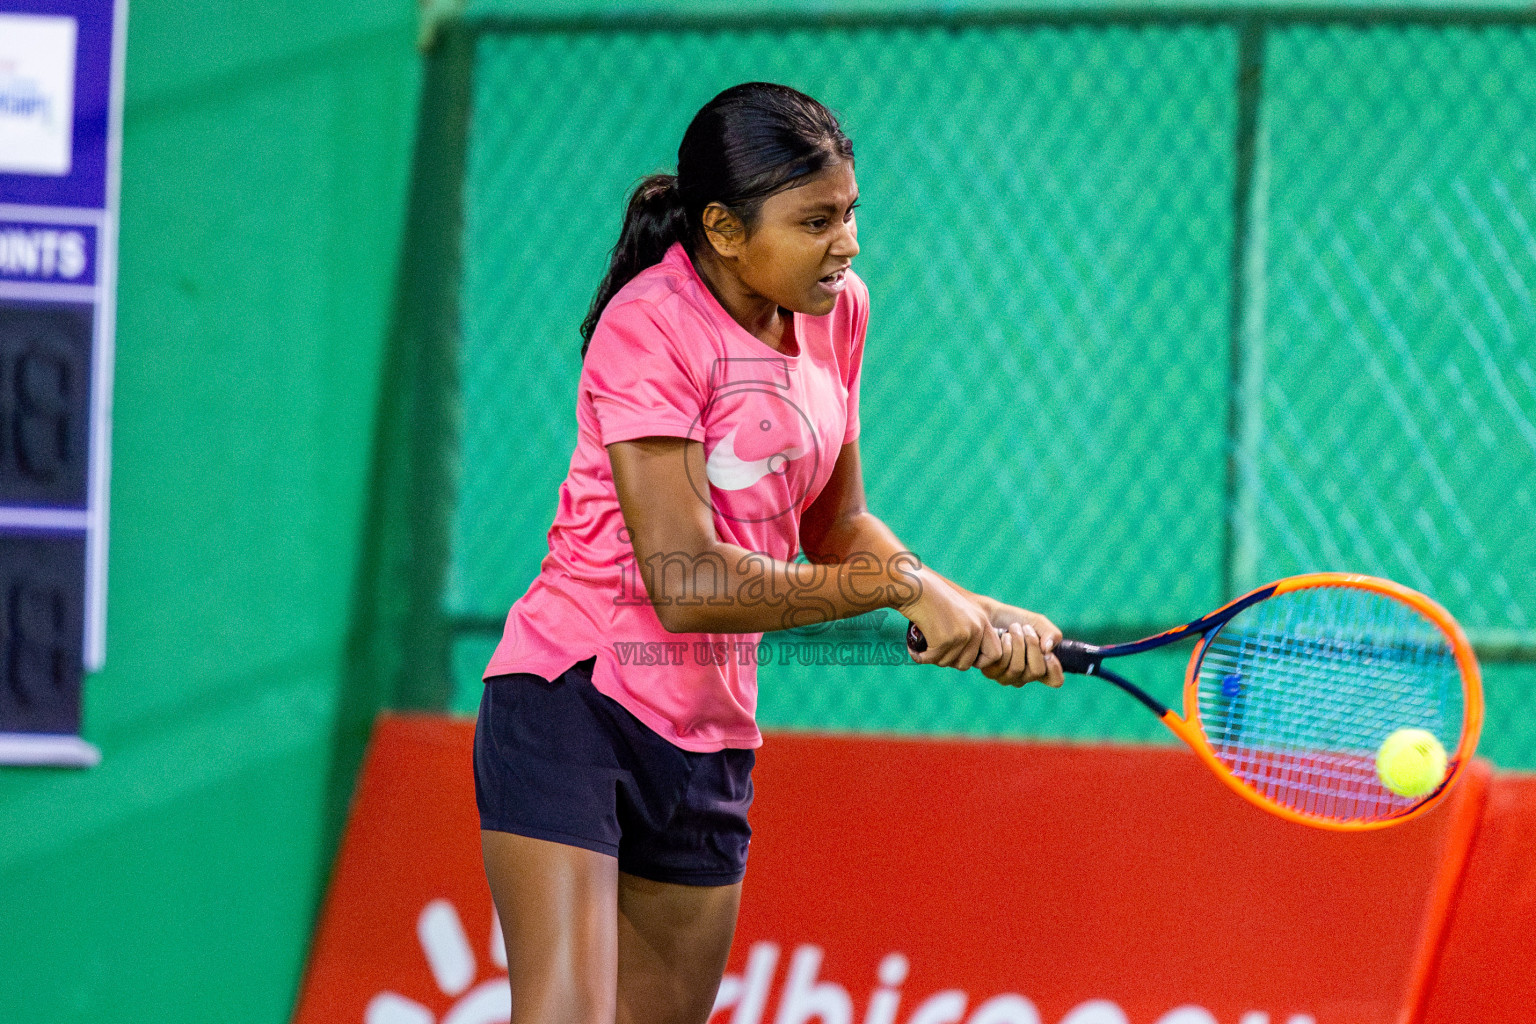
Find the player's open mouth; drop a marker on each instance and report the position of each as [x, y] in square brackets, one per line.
[835, 282]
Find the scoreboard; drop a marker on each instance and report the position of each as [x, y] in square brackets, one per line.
[61, 74]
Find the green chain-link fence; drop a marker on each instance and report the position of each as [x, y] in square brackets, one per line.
[1161, 310]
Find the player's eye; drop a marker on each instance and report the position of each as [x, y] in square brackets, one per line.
[849, 215]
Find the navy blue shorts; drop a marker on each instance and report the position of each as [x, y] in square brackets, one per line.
[560, 761]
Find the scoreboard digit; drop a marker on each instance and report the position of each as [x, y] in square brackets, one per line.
[45, 361]
[41, 634]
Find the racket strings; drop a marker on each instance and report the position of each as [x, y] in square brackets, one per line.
[1297, 693]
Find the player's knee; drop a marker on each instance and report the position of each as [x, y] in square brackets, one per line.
[564, 1004]
[563, 1015]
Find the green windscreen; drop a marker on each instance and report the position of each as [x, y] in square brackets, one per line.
[1398, 394]
[1161, 310]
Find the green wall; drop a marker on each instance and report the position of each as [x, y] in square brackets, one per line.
[266, 158]
[287, 550]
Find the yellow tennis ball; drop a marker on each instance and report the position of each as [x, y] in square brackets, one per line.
[1411, 762]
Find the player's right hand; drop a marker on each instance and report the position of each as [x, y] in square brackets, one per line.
[958, 632]
[1024, 657]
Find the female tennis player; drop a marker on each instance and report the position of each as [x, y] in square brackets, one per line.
[717, 437]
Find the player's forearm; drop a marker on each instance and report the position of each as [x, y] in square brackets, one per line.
[855, 533]
[866, 532]
[984, 602]
[729, 589]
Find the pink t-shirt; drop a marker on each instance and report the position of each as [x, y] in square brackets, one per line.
[666, 360]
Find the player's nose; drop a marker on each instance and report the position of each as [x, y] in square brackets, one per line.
[849, 248]
[846, 244]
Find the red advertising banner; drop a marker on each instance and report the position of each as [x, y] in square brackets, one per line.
[944, 882]
[1486, 970]
[408, 934]
[1004, 883]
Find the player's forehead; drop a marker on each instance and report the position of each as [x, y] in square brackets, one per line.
[834, 187]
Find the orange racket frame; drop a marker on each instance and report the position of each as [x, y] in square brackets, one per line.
[1189, 730]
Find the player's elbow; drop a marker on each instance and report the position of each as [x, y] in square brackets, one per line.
[684, 586]
[683, 613]
[674, 619]
[832, 540]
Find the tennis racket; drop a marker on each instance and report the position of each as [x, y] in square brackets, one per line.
[1293, 687]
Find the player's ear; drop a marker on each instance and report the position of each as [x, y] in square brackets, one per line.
[725, 231]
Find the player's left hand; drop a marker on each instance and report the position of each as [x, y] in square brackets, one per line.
[1028, 639]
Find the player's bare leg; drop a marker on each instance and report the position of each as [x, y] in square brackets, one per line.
[673, 943]
[558, 906]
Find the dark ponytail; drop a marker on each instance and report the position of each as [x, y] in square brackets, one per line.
[652, 222]
[748, 143]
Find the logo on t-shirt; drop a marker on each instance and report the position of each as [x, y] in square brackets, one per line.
[730, 472]
[769, 456]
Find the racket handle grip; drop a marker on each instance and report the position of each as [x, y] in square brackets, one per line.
[917, 643]
[1074, 655]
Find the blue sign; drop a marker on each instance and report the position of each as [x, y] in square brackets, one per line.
[61, 74]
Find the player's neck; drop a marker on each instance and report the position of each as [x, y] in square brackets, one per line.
[760, 317]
